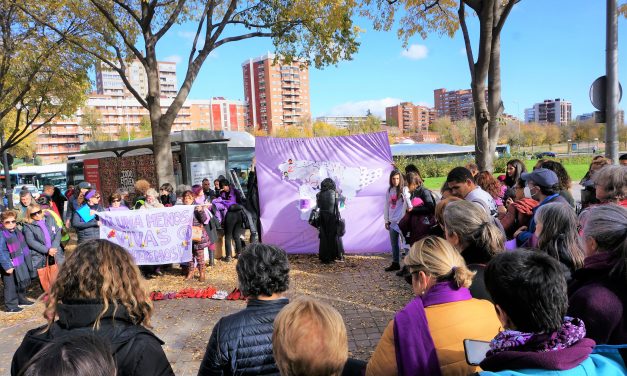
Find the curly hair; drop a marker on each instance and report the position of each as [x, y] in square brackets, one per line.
[141, 186]
[101, 270]
[263, 269]
[560, 171]
[488, 183]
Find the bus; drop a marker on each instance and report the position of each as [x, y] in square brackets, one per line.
[39, 176]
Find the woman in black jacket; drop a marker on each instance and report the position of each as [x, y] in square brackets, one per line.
[111, 305]
[43, 237]
[90, 228]
[331, 247]
[241, 343]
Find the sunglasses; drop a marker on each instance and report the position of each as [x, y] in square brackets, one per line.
[35, 213]
[116, 201]
[8, 222]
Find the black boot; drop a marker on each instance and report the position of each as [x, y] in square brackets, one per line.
[394, 266]
[212, 258]
[403, 271]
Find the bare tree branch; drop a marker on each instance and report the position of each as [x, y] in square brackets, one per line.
[504, 15]
[171, 20]
[129, 10]
[129, 43]
[474, 5]
[242, 37]
[469, 55]
[209, 5]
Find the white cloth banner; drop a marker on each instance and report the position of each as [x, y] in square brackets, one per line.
[152, 236]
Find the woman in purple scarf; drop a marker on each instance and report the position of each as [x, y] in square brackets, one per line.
[426, 337]
[15, 263]
[43, 236]
[529, 293]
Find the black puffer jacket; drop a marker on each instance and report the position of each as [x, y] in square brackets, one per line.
[136, 350]
[241, 343]
[86, 230]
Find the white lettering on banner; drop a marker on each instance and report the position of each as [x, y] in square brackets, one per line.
[153, 236]
[207, 169]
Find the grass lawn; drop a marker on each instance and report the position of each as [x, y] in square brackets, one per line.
[575, 171]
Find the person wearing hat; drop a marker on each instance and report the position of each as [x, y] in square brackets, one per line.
[76, 201]
[543, 186]
[88, 229]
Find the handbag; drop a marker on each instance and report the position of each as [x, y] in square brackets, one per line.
[47, 275]
[197, 234]
[341, 224]
[314, 218]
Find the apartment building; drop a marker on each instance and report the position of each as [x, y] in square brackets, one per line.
[120, 115]
[408, 117]
[557, 111]
[456, 104]
[342, 121]
[277, 95]
[108, 82]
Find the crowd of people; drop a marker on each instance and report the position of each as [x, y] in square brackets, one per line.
[509, 262]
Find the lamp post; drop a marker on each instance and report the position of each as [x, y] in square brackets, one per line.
[568, 146]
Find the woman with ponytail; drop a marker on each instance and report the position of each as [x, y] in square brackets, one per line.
[441, 316]
[598, 292]
[473, 233]
[556, 230]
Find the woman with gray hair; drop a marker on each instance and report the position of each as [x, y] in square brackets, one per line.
[597, 294]
[556, 230]
[475, 235]
[241, 343]
[610, 183]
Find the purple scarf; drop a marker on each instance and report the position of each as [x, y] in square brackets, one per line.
[20, 256]
[414, 347]
[44, 230]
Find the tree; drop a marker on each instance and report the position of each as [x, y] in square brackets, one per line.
[370, 124]
[117, 31]
[551, 135]
[422, 16]
[41, 76]
[92, 120]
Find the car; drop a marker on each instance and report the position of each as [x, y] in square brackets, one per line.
[545, 154]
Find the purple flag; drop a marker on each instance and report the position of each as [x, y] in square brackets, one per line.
[289, 172]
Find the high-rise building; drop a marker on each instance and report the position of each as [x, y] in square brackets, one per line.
[456, 104]
[408, 117]
[591, 115]
[108, 81]
[118, 115]
[276, 94]
[558, 111]
[342, 121]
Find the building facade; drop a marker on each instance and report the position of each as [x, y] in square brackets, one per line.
[408, 117]
[277, 95]
[456, 105]
[342, 121]
[558, 111]
[108, 82]
[119, 116]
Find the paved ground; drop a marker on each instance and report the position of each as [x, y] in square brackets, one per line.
[366, 297]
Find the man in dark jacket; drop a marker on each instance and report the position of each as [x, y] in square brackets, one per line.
[241, 343]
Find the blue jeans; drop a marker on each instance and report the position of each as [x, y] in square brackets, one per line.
[396, 249]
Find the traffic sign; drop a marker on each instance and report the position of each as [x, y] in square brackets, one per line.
[598, 93]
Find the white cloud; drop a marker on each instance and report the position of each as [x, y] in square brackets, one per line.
[190, 35]
[416, 52]
[462, 51]
[173, 58]
[360, 108]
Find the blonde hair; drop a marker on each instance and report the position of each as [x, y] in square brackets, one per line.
[439, 208]
[474, 228]
[32, 208]
[437, 257]
[309, 338]
[104, 271]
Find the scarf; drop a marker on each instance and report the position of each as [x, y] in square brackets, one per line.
[44, 230]
[572, 331]
[414, 347]
[20, 256]
[525, 205]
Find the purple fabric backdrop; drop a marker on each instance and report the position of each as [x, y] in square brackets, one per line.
[289, 172]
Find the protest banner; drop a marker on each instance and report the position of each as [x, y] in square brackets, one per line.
[289, 172]
[153, 236]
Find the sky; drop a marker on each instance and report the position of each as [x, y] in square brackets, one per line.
[549, 49]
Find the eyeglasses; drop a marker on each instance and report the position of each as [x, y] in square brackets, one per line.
[116, 201]
[35, 213]
[8, 222]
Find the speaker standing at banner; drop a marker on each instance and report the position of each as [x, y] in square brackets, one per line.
[331, 246]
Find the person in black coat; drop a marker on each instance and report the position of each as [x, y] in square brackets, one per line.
[42, 245]
[86, 230]
[241, 343]
[136, 350]
[331, 246]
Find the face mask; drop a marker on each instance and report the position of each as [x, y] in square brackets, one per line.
[527, 192]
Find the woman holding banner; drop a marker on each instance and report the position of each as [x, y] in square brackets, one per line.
[85, 220]
[198, 244]
[331, 246]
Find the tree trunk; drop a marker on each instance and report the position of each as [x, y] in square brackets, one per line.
[495, 104]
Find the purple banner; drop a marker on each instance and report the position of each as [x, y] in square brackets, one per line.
[289, 172]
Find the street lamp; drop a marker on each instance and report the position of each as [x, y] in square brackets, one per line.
[568, 146]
